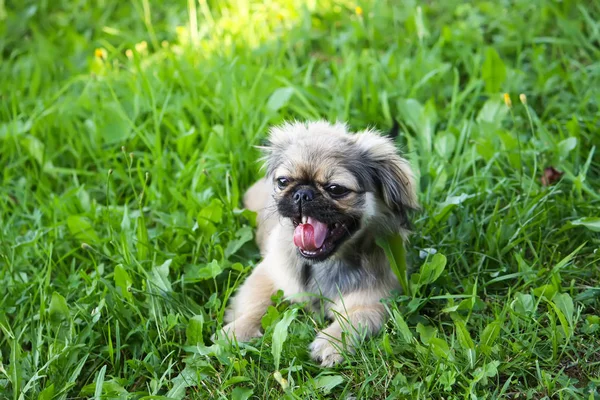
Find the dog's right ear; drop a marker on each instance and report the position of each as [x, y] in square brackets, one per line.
[280, 137]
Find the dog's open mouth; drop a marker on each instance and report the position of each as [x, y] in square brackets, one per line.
[316, 239]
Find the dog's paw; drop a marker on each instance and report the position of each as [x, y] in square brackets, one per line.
[240, 331]
[326, 350]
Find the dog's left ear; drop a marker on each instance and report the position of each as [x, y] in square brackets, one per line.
[391, 173]
[394, 130]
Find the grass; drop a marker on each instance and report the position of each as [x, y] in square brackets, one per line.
[126, 141]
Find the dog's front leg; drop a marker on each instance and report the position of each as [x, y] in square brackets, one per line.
[249, 305]
[356, 316]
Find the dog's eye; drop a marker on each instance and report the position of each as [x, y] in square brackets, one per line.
[282, 183]
[337, 190]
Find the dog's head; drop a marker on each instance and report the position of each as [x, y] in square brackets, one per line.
[337, 189]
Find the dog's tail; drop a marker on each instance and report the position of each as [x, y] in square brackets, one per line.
[256, 198]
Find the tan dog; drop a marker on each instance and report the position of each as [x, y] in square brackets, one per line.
[327, 195]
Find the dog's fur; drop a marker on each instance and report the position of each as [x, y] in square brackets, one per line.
[356, 275]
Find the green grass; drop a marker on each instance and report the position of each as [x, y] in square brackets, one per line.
[121, 229]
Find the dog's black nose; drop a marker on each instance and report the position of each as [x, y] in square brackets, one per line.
[303, 195]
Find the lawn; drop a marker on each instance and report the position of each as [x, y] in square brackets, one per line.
[127, 134]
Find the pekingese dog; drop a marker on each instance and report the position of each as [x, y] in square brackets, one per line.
[327, 195]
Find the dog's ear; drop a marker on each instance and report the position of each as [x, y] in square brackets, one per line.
[394, 130]
[280, 137]
[390, 172]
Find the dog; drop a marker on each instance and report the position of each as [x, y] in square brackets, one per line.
[326, 197]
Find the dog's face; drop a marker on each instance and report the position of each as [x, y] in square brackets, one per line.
[337, 190]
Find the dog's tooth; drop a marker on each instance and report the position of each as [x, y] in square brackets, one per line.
[304, 219]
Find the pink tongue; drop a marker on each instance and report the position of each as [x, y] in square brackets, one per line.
[310, 236]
